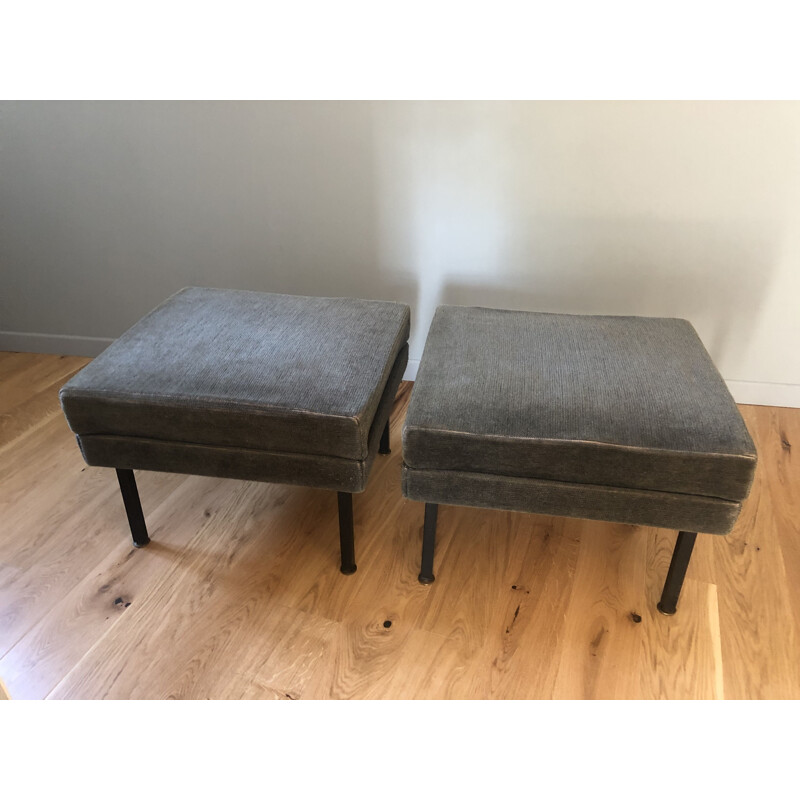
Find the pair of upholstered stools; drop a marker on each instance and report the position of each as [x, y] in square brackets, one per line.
[623, 419]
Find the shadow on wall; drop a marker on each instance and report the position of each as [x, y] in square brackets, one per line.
[697, 271]
[652, 209]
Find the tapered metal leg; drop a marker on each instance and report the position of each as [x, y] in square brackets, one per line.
[346, 533]
[133, 507]
[383, 447]
[428, 543]
[676, 573]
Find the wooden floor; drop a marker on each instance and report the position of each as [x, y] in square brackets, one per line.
[239, 594]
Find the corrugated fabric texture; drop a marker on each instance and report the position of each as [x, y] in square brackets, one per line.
[245, 369]
[323, 472]
[629, 402]
[584, 501]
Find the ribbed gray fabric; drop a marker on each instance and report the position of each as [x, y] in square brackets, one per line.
[130, 452]
[245, 369]
[606, 503]
[626, 402]
[324, 472]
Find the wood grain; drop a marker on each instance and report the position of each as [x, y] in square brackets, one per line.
[26, 397]
[239, 595]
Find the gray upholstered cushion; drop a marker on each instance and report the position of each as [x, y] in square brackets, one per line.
[324, 472]
[627, 402]
[236, 369]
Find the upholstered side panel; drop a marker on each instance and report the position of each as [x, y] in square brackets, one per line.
[711, 474]
[633, 506]
[128, 452]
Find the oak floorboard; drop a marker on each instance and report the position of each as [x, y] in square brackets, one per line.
[416, 663]
[12, 363]
[43, 568]
[149, 651]
[478, 549]
[24, 403]
[679, 657]
[289, 645]
[600, 629]
[778, 429]
[52, 647]
[521, 653]
[759, 634]
[34, 375]
[71, 521]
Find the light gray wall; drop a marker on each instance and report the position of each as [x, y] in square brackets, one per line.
[657, 208]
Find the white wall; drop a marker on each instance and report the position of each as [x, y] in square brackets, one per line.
[655, 208]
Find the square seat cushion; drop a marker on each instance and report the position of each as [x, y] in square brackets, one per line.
[627, 402]
[240, 369]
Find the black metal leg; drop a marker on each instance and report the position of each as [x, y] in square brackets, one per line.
[428, 543]
[383, 448]
[133, 507]
[346, 533]
[676, 573]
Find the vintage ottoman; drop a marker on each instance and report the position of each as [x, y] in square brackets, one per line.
[247, 385]
[623, 419]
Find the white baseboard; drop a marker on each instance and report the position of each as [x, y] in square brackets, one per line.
[89, 346]
[411, 369]
[753, 393]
